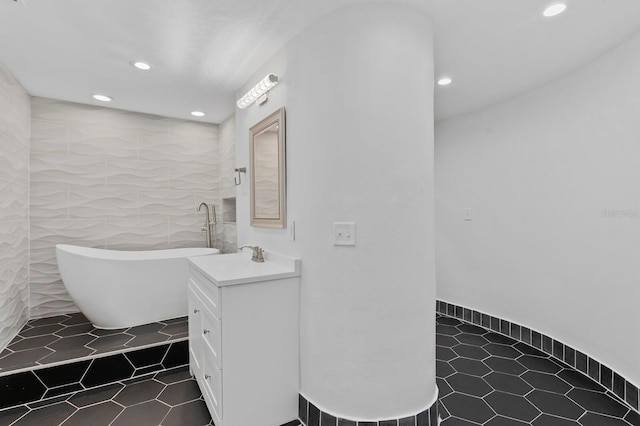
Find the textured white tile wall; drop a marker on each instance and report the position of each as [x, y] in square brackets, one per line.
[227, 188]
[14, 206]
[114, 179]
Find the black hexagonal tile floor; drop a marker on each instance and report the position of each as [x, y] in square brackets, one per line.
[445, 354]
[548, 420]
[147, 413]
[472, 329]
[173, 376]
[470, 351]
[449, 321]
[194, 413]
[443, 388]
[468, 407]
[472, 339]
[553, 403]
[50, 415]
[96, 395]
[579, 380]
[120, 405]
[470, 385]
[68, 337]
[99, 414]
[446, 330]
[443, 369]
[33, 342]
[543, 365]
[179, 393]
[499, 338]
[24, 359]
[75, 330]
[525, 387]
[508, 383]
[41, 331]
[503, 351]
[448, 341]
[592, 419]
[505, 365]
[547, 382]
[470, 366]
[139, 392]
[20, 388]
[597, 402]
[512, 406]
[497, 392]
[505, 421]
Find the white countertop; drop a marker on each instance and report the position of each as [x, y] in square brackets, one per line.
[238, 268]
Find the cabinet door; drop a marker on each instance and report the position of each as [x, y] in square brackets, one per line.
[195, 331]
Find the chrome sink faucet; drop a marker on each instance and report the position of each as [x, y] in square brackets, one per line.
[207, 222]
[258, 253]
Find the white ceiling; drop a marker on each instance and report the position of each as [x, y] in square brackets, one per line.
[202, 51]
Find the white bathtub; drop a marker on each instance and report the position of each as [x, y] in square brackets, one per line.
[118, 289]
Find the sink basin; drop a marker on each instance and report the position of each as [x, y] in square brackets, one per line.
[238, 268]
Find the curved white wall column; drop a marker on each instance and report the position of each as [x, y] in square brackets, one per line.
[358, 89]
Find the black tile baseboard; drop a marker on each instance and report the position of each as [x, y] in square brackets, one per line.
[624, 390]
[51, 382]
[310, 415]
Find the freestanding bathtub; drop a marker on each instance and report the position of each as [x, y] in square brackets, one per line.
[119, 289]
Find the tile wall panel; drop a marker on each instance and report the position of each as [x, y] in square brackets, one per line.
[15, 117]
[138, 234]
[113, 179]
[226, 186]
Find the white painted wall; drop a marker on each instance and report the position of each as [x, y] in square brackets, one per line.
[358, 89]
[538, 170]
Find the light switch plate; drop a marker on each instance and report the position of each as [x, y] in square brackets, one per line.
[344, 233]
[468, 216]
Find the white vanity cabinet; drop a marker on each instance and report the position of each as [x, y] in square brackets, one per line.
[243, 337]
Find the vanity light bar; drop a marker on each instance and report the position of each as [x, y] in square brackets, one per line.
[257, 91]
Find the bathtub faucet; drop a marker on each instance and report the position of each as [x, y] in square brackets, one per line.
[258, 253]
[207, 222]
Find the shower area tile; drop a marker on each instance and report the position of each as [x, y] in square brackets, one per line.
[110, 179]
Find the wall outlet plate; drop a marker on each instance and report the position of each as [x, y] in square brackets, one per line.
[344, 234]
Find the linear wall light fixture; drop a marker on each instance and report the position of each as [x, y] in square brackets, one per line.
[259, 92]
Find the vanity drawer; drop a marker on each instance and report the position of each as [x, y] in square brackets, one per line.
[212, 336]
[208, 290]
[211, 383]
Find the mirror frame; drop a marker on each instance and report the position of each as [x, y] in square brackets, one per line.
[276, 117]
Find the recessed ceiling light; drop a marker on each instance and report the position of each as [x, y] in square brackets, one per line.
[554, 9]
[197, 113]
[444, 81]
[141, 65]
[102, 98]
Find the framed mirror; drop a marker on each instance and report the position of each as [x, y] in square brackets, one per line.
[267, 171]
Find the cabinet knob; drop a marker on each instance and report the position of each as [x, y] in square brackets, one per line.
[207, 377]
[205, 331]
[195, 311]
